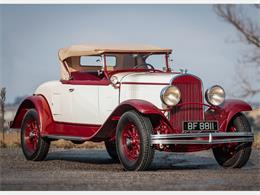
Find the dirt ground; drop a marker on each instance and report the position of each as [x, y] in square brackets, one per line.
[82, 169]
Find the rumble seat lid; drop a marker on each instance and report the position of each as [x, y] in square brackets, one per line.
[96, 49]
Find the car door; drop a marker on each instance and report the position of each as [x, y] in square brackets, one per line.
[92, 104]
[84, 104]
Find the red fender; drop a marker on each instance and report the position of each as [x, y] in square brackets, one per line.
[230, 108]
[41, 105]
[141, 106]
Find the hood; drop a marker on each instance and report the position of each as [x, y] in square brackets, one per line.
[145, 77]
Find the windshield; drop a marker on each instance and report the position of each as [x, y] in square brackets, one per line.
[126, 61]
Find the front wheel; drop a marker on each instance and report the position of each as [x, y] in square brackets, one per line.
[33, 145]
[234, 155]
[133, 142]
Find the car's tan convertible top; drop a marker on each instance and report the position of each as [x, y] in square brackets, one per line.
[96, 49]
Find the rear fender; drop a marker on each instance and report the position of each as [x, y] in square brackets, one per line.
[40, 104]
[108, 129]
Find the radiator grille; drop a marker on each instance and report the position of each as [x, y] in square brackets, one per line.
[191, 91]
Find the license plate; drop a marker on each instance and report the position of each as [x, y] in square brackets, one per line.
[200, 125]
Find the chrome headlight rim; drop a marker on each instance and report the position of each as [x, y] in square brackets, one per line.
[210, 93]
[177, 96]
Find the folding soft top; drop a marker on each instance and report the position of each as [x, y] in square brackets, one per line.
[96, 49]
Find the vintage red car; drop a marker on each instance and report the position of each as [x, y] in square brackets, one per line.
[129, 97]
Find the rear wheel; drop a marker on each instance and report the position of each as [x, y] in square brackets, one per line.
[234, 155]
[133, 141]
[34, 147]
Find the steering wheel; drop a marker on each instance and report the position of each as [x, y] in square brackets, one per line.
[145, 64]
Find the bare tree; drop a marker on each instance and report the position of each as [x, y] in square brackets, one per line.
[248, 29]
[2, 101]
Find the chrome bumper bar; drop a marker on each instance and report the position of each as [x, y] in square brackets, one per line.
[202, 138]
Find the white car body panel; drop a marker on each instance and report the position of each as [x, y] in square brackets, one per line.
[145, 77]
[108, 101]
[92, 104]
[149, 87]
[150, 93]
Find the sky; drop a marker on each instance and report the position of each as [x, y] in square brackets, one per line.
[31, 35]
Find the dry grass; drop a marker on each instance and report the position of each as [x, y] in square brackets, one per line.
[12, 140]
[256, 143]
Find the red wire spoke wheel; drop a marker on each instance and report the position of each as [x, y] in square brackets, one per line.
[31, 135]
[33, 145]
[234, 155]
[133, 142]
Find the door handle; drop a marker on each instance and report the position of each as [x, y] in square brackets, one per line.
[71, 89]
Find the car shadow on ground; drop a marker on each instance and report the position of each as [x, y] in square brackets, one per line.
[162, 161]
[81, 156]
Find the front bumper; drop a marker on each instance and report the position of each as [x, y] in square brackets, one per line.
[202, 138]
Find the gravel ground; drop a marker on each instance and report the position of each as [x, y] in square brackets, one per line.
[81, 169]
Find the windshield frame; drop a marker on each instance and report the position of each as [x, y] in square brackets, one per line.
[109, 73]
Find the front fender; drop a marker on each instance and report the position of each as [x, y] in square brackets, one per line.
[230, 108]
[141, 106]
[40, 104]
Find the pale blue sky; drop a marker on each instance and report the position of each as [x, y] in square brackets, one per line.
[32, 34]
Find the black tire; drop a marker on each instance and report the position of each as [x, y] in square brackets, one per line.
[35, 148]
[238, 155]
[111, 149]
[142, 128]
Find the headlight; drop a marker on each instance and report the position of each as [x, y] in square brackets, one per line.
[215, 95]
[170, 95]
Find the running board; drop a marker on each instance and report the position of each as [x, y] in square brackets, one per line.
[70, 138]
[202, 138]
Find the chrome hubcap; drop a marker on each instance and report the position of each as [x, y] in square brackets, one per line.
[129, 142]
[32, 134]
